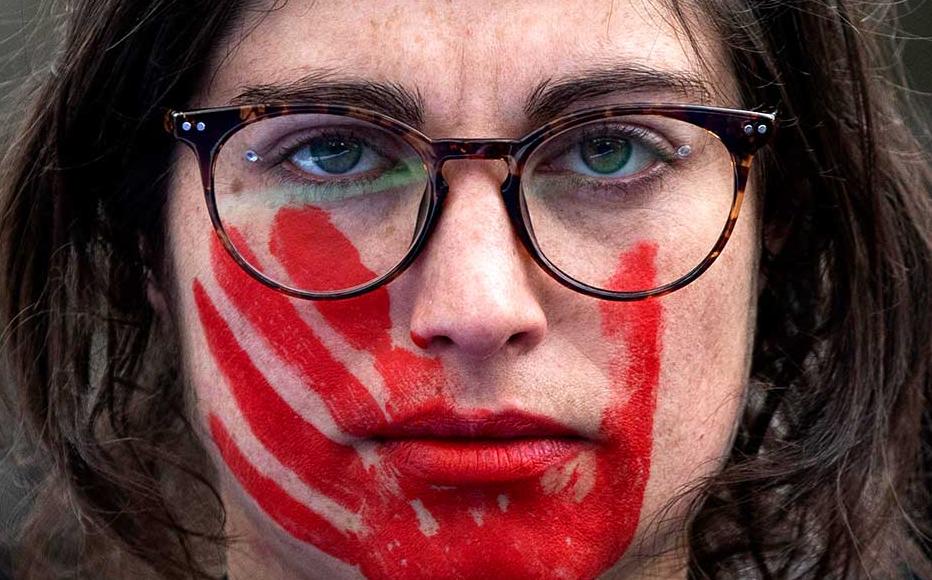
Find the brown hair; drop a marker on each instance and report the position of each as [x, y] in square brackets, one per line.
[826, 476]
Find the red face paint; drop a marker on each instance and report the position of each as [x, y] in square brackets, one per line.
[574, 516]
[419, 340]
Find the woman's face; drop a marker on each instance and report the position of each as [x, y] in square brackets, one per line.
[472, 418]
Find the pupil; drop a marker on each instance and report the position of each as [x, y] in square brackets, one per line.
[335, 155]
[605, 155]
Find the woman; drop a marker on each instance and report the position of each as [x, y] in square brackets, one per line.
[410, 290]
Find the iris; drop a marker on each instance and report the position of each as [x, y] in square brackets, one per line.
[605, 155]
[333, 155]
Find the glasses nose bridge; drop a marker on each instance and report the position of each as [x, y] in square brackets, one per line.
[491, 149]
[476, 149]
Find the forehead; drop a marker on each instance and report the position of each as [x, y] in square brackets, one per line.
[471, 64]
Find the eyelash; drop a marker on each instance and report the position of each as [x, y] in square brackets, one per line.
[655, 144]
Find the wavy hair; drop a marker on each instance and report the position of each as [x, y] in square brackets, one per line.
[828, 476]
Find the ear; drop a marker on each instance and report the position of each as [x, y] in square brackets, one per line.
[775, 233]
[155, 290]
[156, 296]
[774, 238]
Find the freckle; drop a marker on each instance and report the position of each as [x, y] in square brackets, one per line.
[236, 186]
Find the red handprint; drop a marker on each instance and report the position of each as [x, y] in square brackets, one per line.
[297, 439]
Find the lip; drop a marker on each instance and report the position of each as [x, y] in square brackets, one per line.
[477, 447]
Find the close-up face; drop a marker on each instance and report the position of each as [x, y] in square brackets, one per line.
[473, 417]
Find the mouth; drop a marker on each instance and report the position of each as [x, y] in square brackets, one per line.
[477, 447]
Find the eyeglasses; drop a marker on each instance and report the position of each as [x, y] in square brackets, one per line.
[327, 201]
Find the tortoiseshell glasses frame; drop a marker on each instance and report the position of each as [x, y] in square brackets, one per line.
[743, 133]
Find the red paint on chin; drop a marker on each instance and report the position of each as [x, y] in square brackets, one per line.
[575, 524]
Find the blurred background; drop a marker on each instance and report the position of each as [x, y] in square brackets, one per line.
[25, 44]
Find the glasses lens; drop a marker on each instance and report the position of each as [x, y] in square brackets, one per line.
[598, 192]
[320, 203]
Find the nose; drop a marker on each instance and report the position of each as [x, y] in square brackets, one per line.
[474, 295]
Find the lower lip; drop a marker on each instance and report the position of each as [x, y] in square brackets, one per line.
[478, 461]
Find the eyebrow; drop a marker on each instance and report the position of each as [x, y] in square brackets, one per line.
[391, 99]
[552, 97]
[548, 100]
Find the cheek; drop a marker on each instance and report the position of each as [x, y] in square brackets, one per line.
[304, 379]
[707, 339]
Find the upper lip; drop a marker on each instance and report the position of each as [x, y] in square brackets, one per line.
[475, 425]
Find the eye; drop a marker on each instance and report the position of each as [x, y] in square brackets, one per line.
[338, 155]
[608, 156]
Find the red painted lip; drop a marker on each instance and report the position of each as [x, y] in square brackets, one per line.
[477, 447]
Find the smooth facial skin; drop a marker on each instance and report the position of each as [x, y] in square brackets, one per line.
[473, 418]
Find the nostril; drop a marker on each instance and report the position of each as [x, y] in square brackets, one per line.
[434, 341]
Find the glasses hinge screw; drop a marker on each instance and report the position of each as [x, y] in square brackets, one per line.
[186, 126]
[748, 129]
[762, 129]
[201, 126]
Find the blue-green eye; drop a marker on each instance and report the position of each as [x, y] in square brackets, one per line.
[335, 155]
[610, 157]
[332, 164]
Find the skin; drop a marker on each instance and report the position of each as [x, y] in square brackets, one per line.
[288, 390]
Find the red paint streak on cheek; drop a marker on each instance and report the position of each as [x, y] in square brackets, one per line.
[316, 254]
[281, 327]
[292, 515]
[635, 373]
[274, 423]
